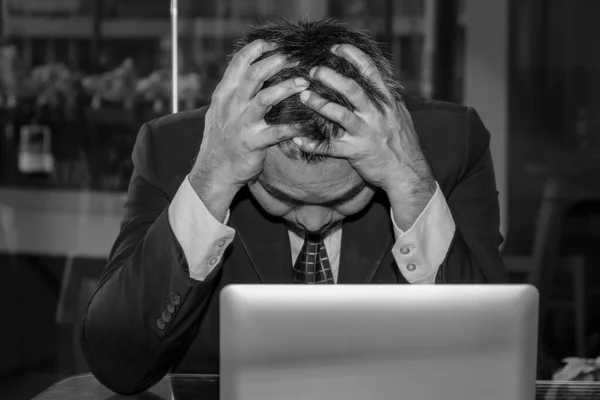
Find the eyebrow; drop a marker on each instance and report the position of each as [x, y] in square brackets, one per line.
[286, 198]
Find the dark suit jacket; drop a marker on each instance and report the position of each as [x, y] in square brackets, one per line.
[124, 346]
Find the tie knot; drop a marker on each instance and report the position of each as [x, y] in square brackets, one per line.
[314, 237]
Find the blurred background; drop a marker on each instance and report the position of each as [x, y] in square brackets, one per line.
[79, 77]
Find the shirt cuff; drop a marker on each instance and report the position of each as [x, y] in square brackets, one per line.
[420, 251]
[202, 238]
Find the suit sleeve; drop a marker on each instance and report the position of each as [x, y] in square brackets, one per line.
[146, 309]
[474, 255]
[202, 238]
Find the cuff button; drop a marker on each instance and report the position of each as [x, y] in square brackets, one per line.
[213, 261]
[405, 250]
[166, 316]
[221, 243]
[175, 299]
[411, 267]
[170, 307]
[160, 323]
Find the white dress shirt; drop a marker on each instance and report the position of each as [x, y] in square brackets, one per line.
[419, 252]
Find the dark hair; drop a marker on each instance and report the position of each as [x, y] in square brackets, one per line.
[309, 43]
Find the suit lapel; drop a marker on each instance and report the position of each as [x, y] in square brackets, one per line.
[367, 239]
[265, 239]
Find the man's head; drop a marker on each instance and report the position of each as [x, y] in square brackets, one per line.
[309, 190]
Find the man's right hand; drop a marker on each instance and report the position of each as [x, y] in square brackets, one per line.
[236, 135]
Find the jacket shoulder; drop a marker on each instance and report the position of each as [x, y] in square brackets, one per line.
[452, 136]
[175, 141]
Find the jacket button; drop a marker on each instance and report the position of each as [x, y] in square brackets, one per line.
[170, 307]
[175, 299]
[166, 316]
[160, 323]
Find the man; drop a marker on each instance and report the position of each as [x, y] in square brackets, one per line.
[309, 166]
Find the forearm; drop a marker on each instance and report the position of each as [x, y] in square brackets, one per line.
[124, 344]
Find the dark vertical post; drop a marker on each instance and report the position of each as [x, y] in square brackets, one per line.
[2, 18]
[389, 25]
[96, 42]
[444, 67]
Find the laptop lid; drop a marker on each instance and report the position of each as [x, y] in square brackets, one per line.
[378, 341]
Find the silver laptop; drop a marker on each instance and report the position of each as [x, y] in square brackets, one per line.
[374, 342]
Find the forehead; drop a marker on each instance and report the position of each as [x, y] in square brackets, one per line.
[320, 182]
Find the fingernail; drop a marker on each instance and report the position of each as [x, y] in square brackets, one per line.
[301, 82]
[304, 96]
[297, 141]
[312, 71]
[334, 47]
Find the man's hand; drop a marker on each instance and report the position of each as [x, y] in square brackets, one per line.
[381, 145]
[236, 135]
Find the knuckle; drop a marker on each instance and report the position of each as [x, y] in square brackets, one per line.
[347, 119]
[343, 48]
[346, 116]
[250, 50]
[262, 99]
[279, 60]
[353, 88]
[273, 64]
[366, 65]
[245, 144]
[258, 47]
[252, 73]
[278, 133]
[240, 55]
[320, 104]
[259, 44]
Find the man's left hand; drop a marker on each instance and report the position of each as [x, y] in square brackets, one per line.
[381, 144]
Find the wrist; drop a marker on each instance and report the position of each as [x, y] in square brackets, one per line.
[408, 200]
[215, 194]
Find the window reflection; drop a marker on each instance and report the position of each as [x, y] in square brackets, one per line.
[93, 72]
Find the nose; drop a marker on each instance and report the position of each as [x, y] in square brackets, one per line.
[313, 218]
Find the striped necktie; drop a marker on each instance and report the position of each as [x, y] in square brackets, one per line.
[312, 265]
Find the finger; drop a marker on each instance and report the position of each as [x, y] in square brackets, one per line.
[267, 98]
[347, 87]
[258, 73]
[336, 148]
[351, 122]
[242, 60]
[272, 135]
[362, 61]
